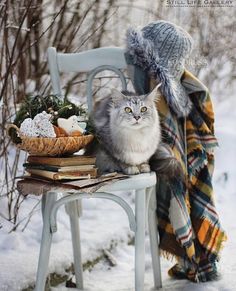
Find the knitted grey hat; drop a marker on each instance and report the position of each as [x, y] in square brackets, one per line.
[161, 49]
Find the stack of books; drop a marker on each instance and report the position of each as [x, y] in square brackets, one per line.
[65, 168]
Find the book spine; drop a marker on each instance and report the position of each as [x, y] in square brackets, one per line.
[60, 162]
[92, 172]
[63, 175]
[41, 167]
[69, 177]
[59, 169]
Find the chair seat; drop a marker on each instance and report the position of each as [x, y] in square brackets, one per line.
[135, 182]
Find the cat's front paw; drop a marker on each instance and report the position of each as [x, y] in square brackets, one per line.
[132, 170]
[144, 168]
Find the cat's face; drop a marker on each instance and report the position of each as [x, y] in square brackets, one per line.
[133, 112]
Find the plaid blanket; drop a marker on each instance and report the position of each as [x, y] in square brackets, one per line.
[187, 219]
[188, 223]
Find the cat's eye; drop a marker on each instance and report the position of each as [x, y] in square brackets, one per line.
[128, 110]
[143, 109]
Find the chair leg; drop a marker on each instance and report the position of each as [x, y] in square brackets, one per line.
[47, 203]
[154, 240]
[73, 212]
[140, 209]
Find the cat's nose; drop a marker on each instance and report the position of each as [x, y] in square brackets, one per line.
[137, 117]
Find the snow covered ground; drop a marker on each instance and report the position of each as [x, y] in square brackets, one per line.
[104, 221]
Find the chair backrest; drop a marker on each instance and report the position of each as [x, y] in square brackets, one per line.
[91, 62]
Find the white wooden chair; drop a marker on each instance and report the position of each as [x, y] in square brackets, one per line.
[92, 62]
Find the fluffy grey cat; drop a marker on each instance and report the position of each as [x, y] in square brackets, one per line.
[128, 130]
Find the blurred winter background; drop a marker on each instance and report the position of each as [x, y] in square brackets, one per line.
[27, 29]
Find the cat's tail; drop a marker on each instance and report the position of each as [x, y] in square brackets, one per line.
[163, 162]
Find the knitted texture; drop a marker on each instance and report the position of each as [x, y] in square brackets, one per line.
[161, 49]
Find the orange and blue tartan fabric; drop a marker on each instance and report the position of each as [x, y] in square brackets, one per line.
[188, 222]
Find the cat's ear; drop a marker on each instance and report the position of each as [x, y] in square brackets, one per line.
[154, 94]
[117, 96]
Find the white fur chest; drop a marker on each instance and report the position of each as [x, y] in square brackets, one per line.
[135, 146]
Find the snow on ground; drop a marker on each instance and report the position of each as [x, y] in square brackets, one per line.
[103, 221]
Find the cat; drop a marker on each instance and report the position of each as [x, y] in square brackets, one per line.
[128, 130]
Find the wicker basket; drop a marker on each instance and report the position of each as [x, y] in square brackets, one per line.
[57, 146]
